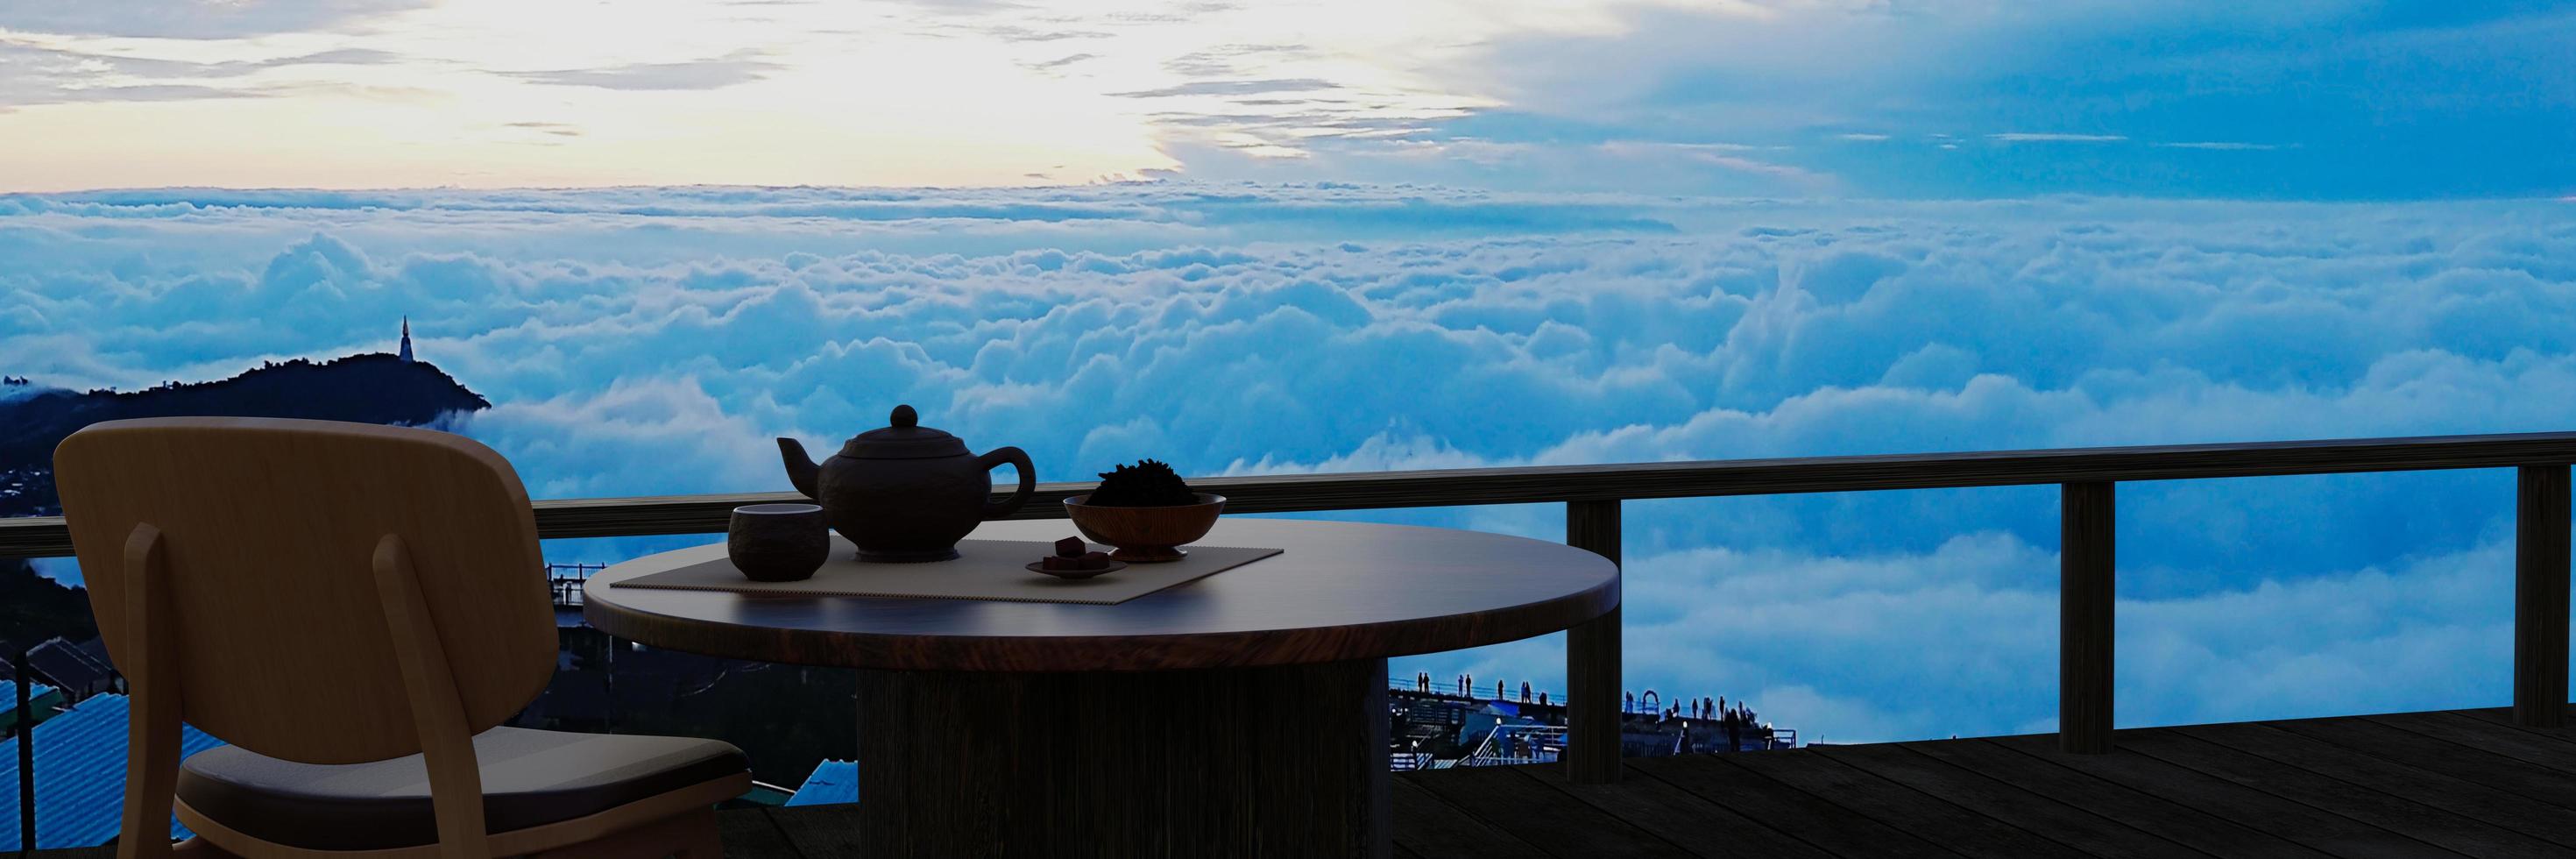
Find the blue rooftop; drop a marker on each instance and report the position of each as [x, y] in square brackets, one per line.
[80, 775]
[9, 709]
[831, 782]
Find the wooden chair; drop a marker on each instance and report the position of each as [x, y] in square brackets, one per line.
[355, 609]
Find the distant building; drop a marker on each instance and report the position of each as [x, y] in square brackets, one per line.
[78, 670]
[1434, 730]
[832, 783]
[405, 352]
[41, 701]
[80, 775]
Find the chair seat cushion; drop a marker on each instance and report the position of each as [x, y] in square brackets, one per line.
[530, 778]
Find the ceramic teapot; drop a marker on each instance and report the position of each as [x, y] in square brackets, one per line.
[906, 492]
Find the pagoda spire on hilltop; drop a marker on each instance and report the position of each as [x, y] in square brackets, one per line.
[405, 353]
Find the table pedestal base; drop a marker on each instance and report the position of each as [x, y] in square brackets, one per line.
[1282, 761]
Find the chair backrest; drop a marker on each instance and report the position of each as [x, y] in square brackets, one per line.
[270, 528]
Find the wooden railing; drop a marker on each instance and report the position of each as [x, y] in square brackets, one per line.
[2088, 480]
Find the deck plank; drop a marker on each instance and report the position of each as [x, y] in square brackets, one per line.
[2183, 747]
[2468, 799]
[1520, 805]
[2458, 760]
[817, 831]
[1696, 825]
[2502, 739]
[1431, 826]
[2146, 812]
[2031, 812]
[1940, 821]
[2504, 716]
[749, 833]
[1828, 826]
[105, 852]
[2332, 834]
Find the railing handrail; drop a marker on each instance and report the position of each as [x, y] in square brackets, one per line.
[45, 536]
[1487, 744]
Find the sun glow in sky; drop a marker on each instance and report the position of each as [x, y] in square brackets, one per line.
[495, 93]
[2332, 99]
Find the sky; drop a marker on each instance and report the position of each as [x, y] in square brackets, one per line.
[1867, 99]
[654, 340]
[1370, 235]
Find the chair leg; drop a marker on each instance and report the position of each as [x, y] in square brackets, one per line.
[686, 835]
[700, 840]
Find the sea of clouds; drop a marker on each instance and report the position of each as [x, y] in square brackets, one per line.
[653, 340]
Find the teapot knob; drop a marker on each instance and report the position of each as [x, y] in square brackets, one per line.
[904, 416]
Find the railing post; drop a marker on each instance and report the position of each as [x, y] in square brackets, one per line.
[2540, 597]
[2084, 569]
[1592, 658]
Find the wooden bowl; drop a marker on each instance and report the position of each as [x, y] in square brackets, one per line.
[1145, 535]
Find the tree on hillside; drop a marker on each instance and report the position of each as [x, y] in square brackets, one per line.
[34, 608]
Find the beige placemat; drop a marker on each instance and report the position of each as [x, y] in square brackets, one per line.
[983, 570]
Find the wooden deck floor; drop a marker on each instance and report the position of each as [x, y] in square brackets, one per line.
[2450, 784]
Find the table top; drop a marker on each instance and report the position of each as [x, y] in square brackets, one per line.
[1341, 590]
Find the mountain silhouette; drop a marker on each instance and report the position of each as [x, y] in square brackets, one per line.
[373, 388]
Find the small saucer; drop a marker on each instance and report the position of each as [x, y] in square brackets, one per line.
[1077, 575]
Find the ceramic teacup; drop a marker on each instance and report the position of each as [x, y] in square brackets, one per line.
[777, 542]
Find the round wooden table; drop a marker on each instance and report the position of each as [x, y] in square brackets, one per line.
[1243, 714]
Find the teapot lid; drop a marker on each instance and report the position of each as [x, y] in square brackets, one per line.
[905, 439]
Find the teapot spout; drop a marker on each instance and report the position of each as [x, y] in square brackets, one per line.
[801, 469]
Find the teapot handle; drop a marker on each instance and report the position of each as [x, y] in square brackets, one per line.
[1028, 480]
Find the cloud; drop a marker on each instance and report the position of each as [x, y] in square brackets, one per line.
[963, 7]
[1030, 34]
[16, 96]
[39, 74]
[740, 67]
[1222, 61]
[1061, 62]
[2221, 146]
[1717, 154]
[2043, 137]
[649, 340]
[1238, 87]
[2403, 88]
[1806, 638]
[195, 19]
[556, 129]
[181, 69]
[2420, 99]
